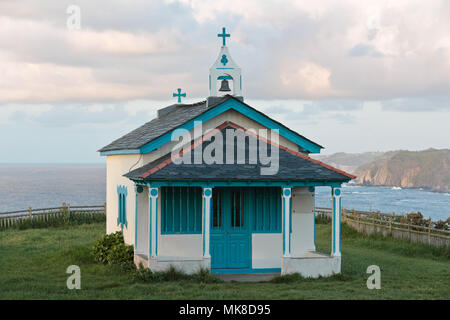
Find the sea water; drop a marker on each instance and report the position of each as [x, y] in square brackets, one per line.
[41, 186]
[389, 199]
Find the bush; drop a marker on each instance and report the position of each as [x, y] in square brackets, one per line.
[111, 249]
[122, 255]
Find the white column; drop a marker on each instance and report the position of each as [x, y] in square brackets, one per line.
[207, 195]
[136, 219]
[153, 221]
[336, 236]
[286, 196]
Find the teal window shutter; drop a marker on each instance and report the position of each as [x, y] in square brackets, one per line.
[181, 210]
[265, 209]
[122, 206]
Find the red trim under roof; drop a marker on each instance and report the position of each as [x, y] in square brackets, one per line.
[236, 126]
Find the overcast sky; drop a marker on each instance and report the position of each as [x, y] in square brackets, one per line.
[353, 76]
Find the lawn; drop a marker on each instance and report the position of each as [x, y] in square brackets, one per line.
[33, 264]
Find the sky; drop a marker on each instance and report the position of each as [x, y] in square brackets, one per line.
[353, 76]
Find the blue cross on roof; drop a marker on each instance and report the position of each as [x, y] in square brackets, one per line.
[224, 36]
[179, 95]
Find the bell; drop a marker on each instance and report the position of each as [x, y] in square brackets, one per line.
[224, 86]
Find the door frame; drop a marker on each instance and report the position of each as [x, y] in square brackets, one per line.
[226, 228]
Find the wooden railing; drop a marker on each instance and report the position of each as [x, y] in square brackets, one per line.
[375, 222]
[12, 218]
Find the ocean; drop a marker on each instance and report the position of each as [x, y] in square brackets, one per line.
[42, 186]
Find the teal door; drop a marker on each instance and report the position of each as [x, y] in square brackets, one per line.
[230, 232]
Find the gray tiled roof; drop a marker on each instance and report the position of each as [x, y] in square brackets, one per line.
[179, 115]
[170, 118]
[291, 167]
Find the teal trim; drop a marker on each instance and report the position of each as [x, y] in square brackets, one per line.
[339, 217]
[247, 270]
[150, 226]
[123, 151]
[156, 221]
[136, 223]
[224, 183]
[283, 228]
[122, 206]
[224, 68]
[334, 223]
[203, 224]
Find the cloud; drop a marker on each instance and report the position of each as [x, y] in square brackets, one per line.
[296, 50]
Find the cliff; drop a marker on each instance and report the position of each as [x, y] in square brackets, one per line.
[428, 169]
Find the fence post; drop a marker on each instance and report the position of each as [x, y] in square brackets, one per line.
[429, 232]
[29, 212]
[68, 208]
[390, 226]
[409, 230]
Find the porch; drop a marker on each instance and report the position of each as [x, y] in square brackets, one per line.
[233, 229]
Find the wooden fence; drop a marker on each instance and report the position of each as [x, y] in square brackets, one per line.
[374, 222]
[12, 218]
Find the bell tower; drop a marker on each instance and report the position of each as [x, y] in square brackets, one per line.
[225, 75]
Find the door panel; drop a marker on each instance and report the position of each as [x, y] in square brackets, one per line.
[230, 234]
[218, 252]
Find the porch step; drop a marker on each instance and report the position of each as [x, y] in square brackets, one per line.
[247, 277]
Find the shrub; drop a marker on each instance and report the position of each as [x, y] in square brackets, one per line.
[110, 249]
[122, 255]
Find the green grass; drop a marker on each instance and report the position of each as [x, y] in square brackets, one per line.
[33, 264]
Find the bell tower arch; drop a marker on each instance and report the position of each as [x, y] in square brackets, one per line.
[225, 75]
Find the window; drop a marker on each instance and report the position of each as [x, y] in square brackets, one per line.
[217, 209]
[122, 206]
[181, 210]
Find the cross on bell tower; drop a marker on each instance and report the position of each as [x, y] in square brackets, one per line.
[224, 36]
[225, 75]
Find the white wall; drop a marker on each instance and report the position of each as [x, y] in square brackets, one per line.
[302, 237]
[267, 249]
[116, 166]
